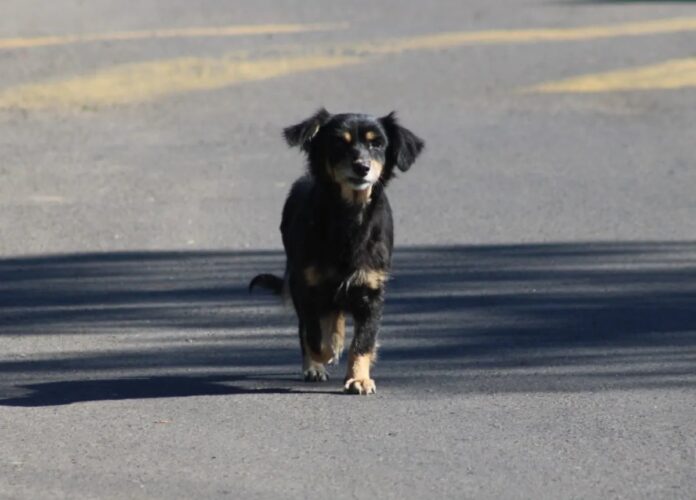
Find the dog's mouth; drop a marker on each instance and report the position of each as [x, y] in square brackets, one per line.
[359, 184]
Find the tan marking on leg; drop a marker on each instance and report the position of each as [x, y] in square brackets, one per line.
[358, 379]
[333, 333]
[371, 278]
[322, 357]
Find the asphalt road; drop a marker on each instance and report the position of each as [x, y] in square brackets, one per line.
[540, 331]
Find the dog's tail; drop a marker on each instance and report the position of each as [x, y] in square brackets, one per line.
[268, 281]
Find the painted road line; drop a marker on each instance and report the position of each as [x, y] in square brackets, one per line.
[673, 74]
[436, 41]
[145, 81]
[201, 32]
[457, 39]
[141, 82]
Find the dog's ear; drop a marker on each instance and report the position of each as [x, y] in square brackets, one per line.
[302, 133]
[404, 146]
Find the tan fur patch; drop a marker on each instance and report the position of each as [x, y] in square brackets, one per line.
[370, 135]
[322, 357]
[362, 197]
[358, 379]
[371, 278]
[312, 276]
[354, 196]
[347, 137]
[333, 333]
[359, 366]
[377, 167]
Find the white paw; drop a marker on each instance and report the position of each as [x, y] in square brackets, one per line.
[360, 386]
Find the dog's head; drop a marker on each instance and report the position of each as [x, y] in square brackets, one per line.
[355, 151]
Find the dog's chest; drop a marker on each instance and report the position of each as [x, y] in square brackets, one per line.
[343, 262]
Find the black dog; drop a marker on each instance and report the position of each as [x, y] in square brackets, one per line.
[338, 236]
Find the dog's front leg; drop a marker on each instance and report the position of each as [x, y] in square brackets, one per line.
[313, 362]
[367, 314]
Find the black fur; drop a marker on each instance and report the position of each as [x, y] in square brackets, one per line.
[330, 225]
[268, 281]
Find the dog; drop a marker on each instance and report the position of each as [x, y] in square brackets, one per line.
[337, 231]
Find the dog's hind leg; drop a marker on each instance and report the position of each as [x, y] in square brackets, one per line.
[333, 333]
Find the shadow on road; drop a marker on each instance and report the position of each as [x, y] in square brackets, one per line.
[76, 391]
[513, 318]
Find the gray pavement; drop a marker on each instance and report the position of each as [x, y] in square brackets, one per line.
[539, 339]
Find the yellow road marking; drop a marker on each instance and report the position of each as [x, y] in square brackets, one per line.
[456, 39]
[46, 199]
[222, 31]
[674, 74]
[437, 41]
[140, 82]
[146, 81]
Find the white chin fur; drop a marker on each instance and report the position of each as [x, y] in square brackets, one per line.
[362, 187]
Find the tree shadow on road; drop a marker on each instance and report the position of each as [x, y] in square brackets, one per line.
[479, 319]
[553, 317]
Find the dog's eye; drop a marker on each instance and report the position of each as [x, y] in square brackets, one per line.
[375, 143]
[373, 140]
[342, 140]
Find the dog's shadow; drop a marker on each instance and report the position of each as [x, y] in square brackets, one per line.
[79, 391]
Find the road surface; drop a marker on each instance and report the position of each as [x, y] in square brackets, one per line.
[539, 339]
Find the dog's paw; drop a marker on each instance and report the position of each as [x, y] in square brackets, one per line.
[316, 374]
[360, 386]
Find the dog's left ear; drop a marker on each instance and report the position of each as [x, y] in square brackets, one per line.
[404, 146]
[302, 133]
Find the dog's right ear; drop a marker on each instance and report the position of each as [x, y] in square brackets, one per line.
[302, 133]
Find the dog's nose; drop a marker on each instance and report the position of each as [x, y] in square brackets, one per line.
[361, 168]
